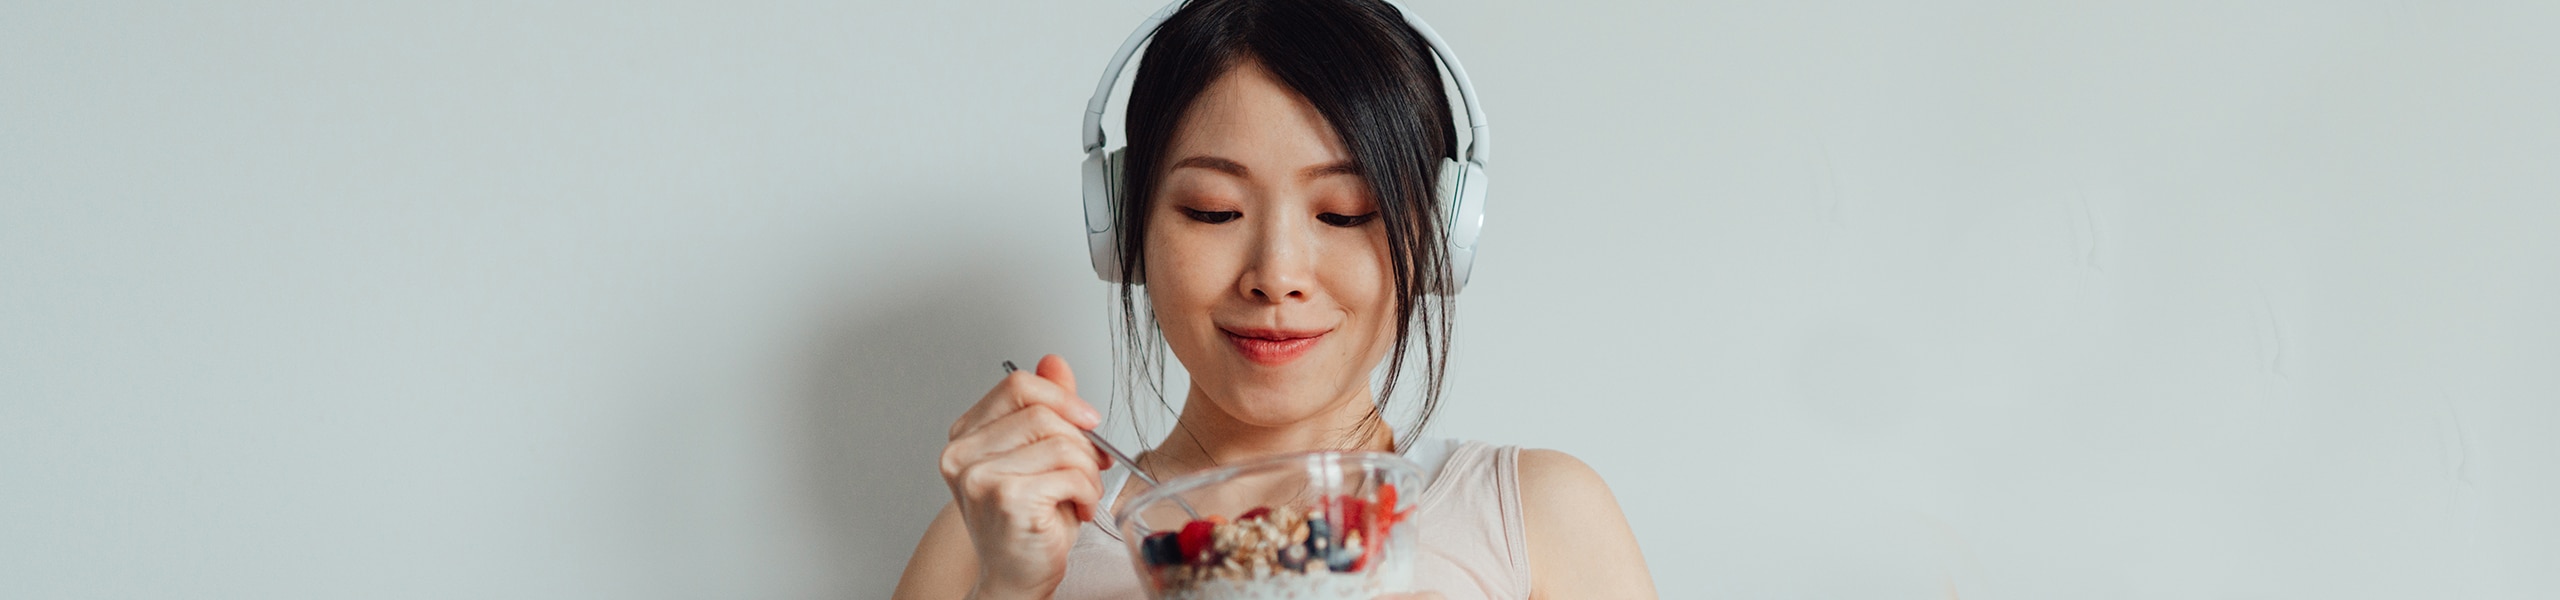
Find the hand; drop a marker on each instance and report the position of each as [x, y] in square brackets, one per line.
[1023, 477]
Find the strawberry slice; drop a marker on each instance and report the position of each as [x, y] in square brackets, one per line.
[1386, 508]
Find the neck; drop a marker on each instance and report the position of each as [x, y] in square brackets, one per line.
[1206, 436]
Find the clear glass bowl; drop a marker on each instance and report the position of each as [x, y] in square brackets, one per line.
[1308, 526]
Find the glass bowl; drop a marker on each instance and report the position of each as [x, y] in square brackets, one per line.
[1311, 526]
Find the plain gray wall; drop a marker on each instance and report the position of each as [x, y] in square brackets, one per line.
[2198, 299]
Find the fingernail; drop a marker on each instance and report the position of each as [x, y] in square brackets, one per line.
[1089, 414]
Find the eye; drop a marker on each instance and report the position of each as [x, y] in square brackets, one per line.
[1342, 220]
[1212, 217]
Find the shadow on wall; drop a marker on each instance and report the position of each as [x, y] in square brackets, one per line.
[879, 396]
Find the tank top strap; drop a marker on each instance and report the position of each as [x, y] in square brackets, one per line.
[1473, 535]
[1430, 453]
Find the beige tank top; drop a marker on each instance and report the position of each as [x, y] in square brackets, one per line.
[1469, 515]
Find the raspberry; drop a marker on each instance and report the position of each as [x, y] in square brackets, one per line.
[1257, 513]
[1195, 540]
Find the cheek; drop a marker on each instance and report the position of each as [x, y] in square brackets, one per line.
[1363, 282]
[1185, 272]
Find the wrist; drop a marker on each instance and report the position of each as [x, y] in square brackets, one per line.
[982, 591]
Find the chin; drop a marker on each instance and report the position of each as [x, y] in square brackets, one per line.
[1272, 406]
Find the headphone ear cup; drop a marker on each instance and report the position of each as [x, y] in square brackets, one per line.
[1462, 193]
[1102, 177]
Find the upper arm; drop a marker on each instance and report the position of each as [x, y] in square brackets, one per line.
[944, 566]
[1579, 542]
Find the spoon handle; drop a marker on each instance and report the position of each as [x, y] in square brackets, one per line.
[1123, 457]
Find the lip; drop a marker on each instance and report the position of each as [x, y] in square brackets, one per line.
[1272, 347]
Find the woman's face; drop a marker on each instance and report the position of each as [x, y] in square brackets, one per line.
[1266, 262]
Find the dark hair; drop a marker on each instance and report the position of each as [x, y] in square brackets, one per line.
[1374, 79]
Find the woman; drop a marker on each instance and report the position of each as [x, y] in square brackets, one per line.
[1279, 209]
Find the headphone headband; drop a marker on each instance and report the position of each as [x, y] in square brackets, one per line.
[1479, 134]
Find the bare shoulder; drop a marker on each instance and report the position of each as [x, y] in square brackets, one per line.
[1561, 491]
[1580, 545]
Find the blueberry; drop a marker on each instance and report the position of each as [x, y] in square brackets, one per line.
[1161, 549]
[1343, 559]
[1319, 536]
[1293, 558]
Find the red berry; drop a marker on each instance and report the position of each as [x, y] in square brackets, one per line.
[1195, 540]
[1348, 510]
[1257, 513]
[1386, 508]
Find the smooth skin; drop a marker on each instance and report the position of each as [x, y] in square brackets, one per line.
[1260, 226]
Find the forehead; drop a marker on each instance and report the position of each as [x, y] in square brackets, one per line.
[1247, 115]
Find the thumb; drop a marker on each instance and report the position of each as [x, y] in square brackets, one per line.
[1054, 368]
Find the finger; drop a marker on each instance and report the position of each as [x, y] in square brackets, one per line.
[1065, 491]
[1047, 455]
[1022, 428]
[1006, 478]
[1015, 391]
[1054, 368]
[1021, 390]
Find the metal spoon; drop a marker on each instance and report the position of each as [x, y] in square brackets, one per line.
[1117, 455]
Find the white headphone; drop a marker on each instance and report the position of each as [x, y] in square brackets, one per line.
[1461, 188]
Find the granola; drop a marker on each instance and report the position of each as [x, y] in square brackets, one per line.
[1322, 550]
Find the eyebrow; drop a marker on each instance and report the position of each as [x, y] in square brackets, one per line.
[1222, 165]
[1338, 168]
[1211, 163]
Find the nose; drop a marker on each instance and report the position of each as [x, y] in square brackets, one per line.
[1283, 263]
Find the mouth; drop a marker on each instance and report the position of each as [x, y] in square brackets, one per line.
[1272, 347]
